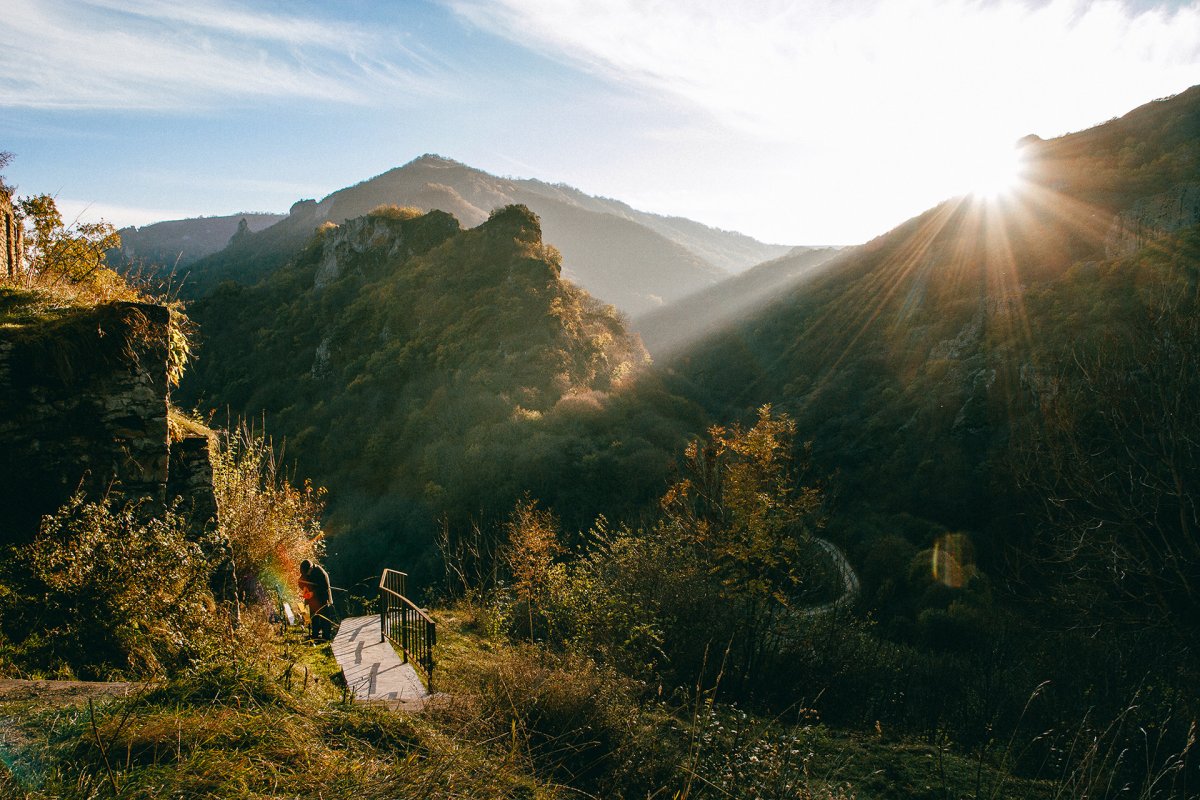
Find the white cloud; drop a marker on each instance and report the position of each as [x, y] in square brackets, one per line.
[137, 54]
[770, 66]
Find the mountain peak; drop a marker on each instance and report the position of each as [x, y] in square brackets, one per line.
[433, 160]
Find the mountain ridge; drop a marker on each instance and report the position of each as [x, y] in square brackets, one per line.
[406, 359]
[635, 260]
[180, 243]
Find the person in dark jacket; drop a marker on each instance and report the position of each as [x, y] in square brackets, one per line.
[318, 596]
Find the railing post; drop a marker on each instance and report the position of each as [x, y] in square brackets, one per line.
[430, 641]
[383, 612]
[404, 632]
[416, 629]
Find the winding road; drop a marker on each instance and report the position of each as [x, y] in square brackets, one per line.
[850, 583]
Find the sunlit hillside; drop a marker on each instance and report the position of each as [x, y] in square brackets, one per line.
[907, 360]
[423, 373]
[631, 259]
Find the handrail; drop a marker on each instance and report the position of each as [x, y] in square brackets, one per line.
[404, 625]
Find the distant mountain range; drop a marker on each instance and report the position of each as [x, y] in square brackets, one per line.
[181, 242]
[632, 259]
[709, 311]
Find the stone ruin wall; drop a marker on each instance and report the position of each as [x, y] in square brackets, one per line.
[12, 244]
[83, 405]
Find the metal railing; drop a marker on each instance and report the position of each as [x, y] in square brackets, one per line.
[403, 624]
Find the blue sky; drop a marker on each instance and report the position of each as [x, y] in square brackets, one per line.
[796, 122]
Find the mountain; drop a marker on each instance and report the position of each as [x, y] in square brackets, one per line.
[728, 250]
[667, 330]
[181, 242]
[634, 260]
[921, 364]
[428, 374]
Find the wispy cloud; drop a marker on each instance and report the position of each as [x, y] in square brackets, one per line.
[167, 54]
[845, 110]
[773, 67]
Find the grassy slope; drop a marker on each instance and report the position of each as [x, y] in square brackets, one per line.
[521, 723]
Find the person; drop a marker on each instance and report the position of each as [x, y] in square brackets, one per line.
[318, 597]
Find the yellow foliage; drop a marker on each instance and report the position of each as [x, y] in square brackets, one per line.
[393, 211]
[269, 525]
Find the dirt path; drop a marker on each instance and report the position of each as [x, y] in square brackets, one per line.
[61, 693]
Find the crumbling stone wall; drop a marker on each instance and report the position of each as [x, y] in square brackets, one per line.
[190, 478]
[12, 243]
[83, 405]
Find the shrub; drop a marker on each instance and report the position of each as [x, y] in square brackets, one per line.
[393, 211]
[268, 525]
[570, 719]
[104, 591]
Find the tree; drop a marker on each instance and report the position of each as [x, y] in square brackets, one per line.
[1117, 453]
[6, 158]
[75, 252]
[741, 506]
[532, 546]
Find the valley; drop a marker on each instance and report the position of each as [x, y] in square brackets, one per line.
[696, 512]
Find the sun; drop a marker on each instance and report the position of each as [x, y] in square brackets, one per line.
[994, 174]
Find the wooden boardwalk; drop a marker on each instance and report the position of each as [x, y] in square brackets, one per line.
[374, 672]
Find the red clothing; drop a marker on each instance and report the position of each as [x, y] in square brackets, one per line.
[318, 596]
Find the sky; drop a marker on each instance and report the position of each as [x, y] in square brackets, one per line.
[796, 122]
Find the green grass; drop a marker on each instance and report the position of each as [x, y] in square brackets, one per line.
[278, 727]
[519, 722]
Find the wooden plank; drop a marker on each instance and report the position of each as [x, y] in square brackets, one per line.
[374, 672]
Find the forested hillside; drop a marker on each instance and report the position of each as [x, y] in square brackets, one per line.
[431, 375]
[179, 243]
[1021, 368]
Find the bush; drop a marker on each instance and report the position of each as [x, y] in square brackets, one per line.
[393, 211]
[105, 592]
[268, 526]
[570, 719]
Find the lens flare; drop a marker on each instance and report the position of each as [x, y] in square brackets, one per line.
[953, 560]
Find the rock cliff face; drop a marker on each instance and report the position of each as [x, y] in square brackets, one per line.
[83, 406]
[1153, 216]
[389, 237]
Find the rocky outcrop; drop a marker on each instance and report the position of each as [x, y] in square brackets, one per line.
[1152, 216]
[355, 237]
[83, 407]
[392, 232]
